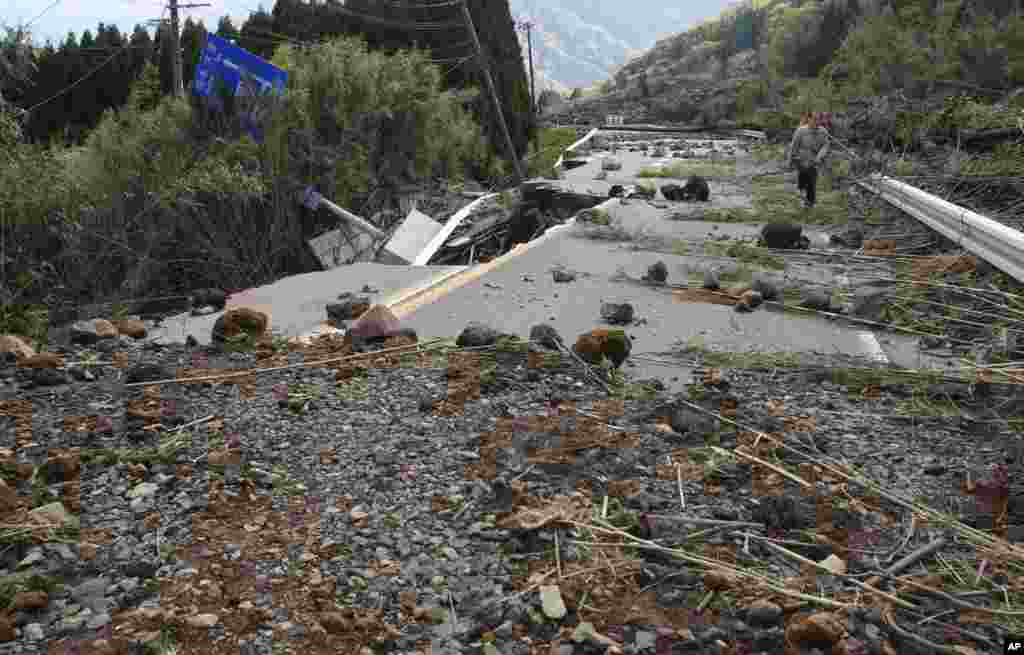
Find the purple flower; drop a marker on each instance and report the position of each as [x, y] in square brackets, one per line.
[233, 440]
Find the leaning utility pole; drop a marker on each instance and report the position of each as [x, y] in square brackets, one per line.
[494, 94]
[179, 88]
[534, 109]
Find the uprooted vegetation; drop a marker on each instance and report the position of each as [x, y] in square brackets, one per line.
[188, 198]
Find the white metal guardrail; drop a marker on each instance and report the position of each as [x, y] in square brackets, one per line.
[997, 244]
[588, 137]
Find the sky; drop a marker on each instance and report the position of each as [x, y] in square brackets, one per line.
[55, 21]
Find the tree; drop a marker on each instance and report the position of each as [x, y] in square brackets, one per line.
[16, 69]
[193, 40]
[255, 34]
[146, 91]
[226, 29]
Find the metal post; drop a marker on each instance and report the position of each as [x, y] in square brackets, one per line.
[177, 88]
[534, 109]
[179, 85]
[494, 94]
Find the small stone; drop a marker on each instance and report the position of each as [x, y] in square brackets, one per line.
[711, 281]
[618, 313]
[657, 273]
[546, 336]
[560, 275]
[551, 602]
[477, 334]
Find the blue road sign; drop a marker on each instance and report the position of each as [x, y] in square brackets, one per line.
[240, 72]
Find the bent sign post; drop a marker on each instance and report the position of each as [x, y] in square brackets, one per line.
[224, 67]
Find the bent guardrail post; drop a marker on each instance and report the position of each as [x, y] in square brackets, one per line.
[997, 244]
[312, 200]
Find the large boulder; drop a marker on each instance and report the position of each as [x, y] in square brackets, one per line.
[601, 343]
[238, 321]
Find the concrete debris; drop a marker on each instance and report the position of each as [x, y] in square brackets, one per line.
[618, 313]
[783, 235]
[601, 343]
[546, 336]
[657, 273]
[561, 275]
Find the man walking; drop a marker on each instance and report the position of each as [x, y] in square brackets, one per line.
[807, 151]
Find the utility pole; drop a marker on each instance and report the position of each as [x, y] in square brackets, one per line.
[179, 89]
[494, 94]
[534, 109]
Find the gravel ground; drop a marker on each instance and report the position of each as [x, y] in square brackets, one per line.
[418, 509]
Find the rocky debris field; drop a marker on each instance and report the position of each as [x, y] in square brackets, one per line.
[375, 493]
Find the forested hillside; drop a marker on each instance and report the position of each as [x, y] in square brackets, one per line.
[763, 60]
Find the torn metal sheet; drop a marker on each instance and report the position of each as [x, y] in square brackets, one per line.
[411, 237]
[435, 244]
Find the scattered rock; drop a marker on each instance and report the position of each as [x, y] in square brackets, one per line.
[749, 301]
[561, 275]
[89, 332]
[688, 421]
[767, 287]
[376, 326]
[599, 343]
[617, 313]
[131, 327]
[851, 238]
[816, 299]
[617, 191]
[696, 188]
[551, 602]
[477, 334]
[783, 236]
[349, 308]
[657, 273]
[147, 372]
[16, 347]
[673, 192]
[215, 298]
[238, 321]
[640, 191]
[545, 336]
[869, 301]
[711, 281]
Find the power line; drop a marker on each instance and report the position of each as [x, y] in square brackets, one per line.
[396, 24]
[52, 5]
[83, 78]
